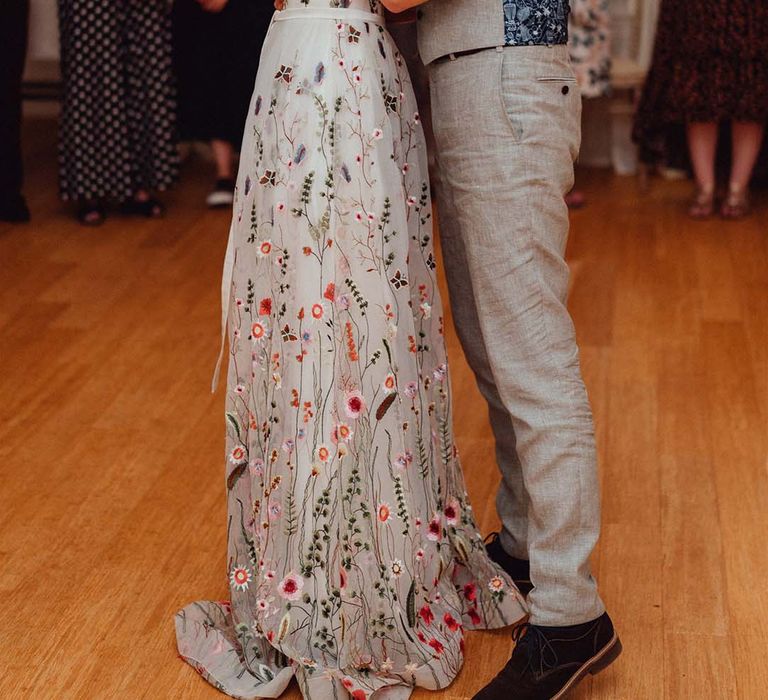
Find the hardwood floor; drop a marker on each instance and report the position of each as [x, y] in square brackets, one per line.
[112, 510]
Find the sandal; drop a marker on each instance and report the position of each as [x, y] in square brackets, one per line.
[149, 208]
[91, 213]
[736, 205]
[703, 204]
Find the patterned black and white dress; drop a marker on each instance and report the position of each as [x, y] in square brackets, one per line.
[117, 127]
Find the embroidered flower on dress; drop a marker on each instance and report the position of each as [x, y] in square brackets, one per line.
[354, 404]
[240, 577]
[383, 512]
[257, 331]
[496, 584]
[290, 587]
[238, 455]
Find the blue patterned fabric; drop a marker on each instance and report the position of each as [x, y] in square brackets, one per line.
[535, 22]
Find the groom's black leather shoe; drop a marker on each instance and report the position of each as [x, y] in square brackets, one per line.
[519, 570]
[548, 662]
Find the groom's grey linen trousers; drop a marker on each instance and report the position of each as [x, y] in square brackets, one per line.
[507, 125]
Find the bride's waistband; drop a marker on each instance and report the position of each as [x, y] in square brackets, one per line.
[344, 14]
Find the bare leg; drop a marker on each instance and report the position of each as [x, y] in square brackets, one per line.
[702, 145]
[224, 156]
[747, 140]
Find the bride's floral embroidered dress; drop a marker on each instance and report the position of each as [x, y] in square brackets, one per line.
[354, 560]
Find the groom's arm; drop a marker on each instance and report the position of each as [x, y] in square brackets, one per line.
[401, 5]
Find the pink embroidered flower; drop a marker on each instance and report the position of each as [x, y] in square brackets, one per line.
[451, 511]
[317, 311]
[290, 587]
[323, 453]
[275, 509]
[440, 372]
[354, 404]
[434, 530]
[383, 512]
[265, 248]
[411, 390]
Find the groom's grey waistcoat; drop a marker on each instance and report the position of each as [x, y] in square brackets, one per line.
[450, 26]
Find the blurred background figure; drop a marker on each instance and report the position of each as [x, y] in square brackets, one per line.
[217, 44]
[710, 68]
[590, 49]
[14, 16]
[117, 123]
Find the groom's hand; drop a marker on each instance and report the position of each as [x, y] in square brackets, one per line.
[401, 5]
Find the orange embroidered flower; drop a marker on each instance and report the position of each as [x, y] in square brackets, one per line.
[389, 384]
[257, 330]
[351, 346]
[383, 512]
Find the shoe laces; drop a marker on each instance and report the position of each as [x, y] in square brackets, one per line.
[540, 653]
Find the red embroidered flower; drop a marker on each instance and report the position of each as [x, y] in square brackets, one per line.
[330, 292]
[472, 612]
[470, 592]
[450, 622]
[433, 529]
[451, 511]
[436, 645]
[265, 307]
[427, 615]
[354, 404]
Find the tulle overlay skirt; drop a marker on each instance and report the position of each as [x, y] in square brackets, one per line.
[354, 560]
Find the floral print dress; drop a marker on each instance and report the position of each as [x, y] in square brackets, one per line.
[354, 560]
[589, 45]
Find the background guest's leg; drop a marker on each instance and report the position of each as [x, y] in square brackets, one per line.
[747, 141]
